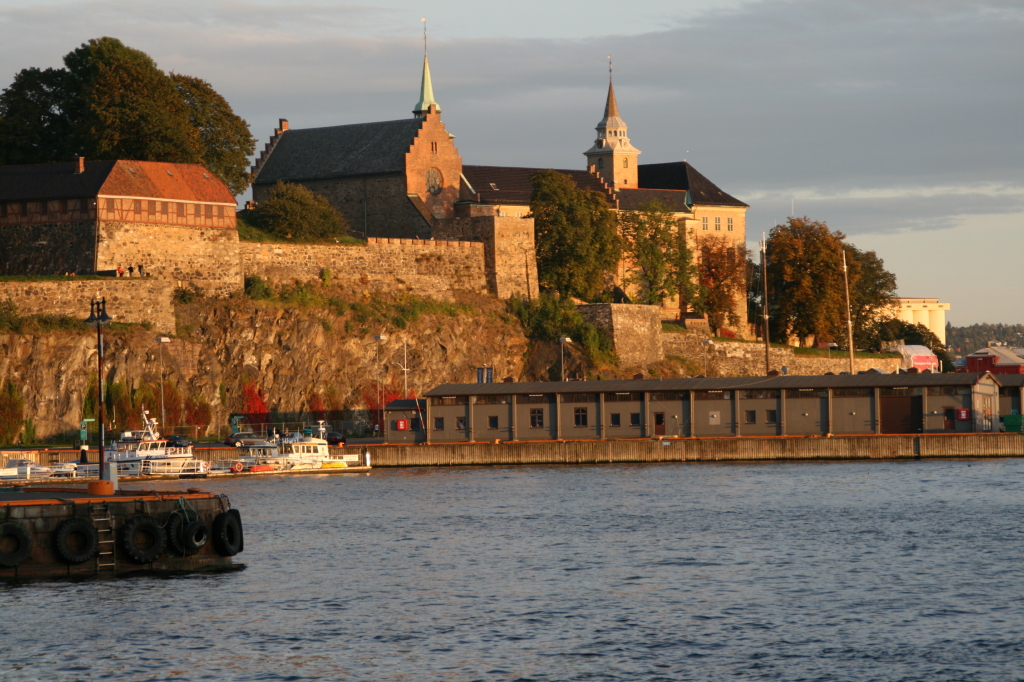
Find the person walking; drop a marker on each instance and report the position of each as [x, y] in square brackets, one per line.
[131, 271]
[140, 270]
[120, 271]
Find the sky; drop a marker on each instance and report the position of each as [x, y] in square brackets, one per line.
[899, 123]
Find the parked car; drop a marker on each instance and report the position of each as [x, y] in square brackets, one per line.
[176, 441]
[334, 438]
[234, 438]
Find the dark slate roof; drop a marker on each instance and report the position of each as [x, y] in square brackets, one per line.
[1015, 380]
[52, 181]
[180, 181]
[866, 380]
[634, 199]
[680, 175]
[403, 404]
[513, 184]
[337, 151]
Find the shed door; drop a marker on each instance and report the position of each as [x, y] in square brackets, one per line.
[902, 414]
[659, 423]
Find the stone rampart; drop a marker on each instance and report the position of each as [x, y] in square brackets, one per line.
[509, 250]
[736, 358]
[425, 267]
[204, 258]
[135, 300]
[635, 330]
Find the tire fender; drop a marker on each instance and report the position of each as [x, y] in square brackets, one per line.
[18, 542]
[143, 524]
[194, 537]
[228, 538]
[78, 526]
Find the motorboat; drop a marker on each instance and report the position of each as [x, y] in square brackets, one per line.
[144, 453]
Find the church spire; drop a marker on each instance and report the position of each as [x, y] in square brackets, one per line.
[612, 157]
[426, 87]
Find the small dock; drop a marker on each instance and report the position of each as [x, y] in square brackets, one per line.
[72, 531]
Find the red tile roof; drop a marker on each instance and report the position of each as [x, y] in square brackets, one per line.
[177, 181]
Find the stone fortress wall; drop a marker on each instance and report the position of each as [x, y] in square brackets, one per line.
[134, 299]
[432, 268]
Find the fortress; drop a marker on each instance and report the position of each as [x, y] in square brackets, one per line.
[432, 225]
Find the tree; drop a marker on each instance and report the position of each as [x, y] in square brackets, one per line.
[658, 255]
[295, 212]
[577, 245]
[113, 102]
[872, 293]
[805, 281]
[895, 330]
[722, 273]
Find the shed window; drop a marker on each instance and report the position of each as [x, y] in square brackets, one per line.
[615, 419]
[580, 416]
[449, 400]
[460, 423]
[439, 423]
[416, 424]
[634, 419]
[667, 396]
[760, 394]
[771, 416]
[860, 392]
[579, 398]
[796, 393]
[713, 395]
[492, 422]
[966, 390]
[623, 397]
[536, 418]
[750, 416]
[890, 392]
[493, 399]
[535, 399]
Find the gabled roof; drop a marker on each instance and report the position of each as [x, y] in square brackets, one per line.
[1004, 356]
[680, 175]
[512, 186]
[337, 151]
[178, 181]
[866, 380]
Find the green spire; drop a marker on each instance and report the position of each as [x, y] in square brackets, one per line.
[426, 92]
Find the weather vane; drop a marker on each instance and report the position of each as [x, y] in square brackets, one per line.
[424, 20]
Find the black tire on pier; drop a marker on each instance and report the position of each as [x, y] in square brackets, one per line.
[194, 537]
[76, 540]
[175, 522]
[227, 533]
[15, 544]
[142, 539]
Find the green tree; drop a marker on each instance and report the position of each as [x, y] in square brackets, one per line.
[577, 245]
[113, 102]
[295, 212]
[722, 272]
[659, 260]
[872, 293]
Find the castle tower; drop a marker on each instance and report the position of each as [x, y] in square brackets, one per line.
[612, 157]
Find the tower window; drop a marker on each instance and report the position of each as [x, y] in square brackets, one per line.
[625, 163]
[600, 163]
[718, 224]
[704, 223]
[728, 225]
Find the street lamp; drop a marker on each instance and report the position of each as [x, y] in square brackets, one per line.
[163, 413]
[380, 387]
[707, 344]
[98, 317]
[562, 340]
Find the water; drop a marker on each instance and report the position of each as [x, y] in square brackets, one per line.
[807, 571]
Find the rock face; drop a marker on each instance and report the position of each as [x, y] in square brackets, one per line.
[289, 353]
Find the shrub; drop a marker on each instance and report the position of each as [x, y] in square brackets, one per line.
[184, 295]
[257, 289]
[12, 409]
[295, 213]
[550, 317]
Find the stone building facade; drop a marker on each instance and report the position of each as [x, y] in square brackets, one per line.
[175, 220]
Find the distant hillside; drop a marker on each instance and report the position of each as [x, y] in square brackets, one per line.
[964, 340]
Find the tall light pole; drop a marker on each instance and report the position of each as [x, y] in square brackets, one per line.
[764, 301]
[562, 340]
[849, 317]
[161, 340]
[98, 317]
[380, 387]
[707, 344]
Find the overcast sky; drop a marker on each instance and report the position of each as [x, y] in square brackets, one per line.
[899, 123]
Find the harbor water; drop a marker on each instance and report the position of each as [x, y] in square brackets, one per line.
[864, 570]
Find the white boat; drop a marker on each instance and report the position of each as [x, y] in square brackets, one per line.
[144, 453]
[24, 470]
[293, 452]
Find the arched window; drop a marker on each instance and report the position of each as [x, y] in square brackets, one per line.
[625, 163]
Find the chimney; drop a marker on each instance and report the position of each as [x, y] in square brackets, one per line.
[80, 168]
[283, 124]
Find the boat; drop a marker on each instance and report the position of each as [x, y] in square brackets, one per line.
[143, 453]
[290, 452]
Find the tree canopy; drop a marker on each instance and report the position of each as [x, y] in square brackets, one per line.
[112, 102]
[294, 212]
[722, 275]
[577, 245]
[659, 259]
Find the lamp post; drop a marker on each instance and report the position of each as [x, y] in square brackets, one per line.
[764, 301]
[849, 317]
[562, 340]
[380, 387]
[707, 343]
[163, 413]
[98, 317]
